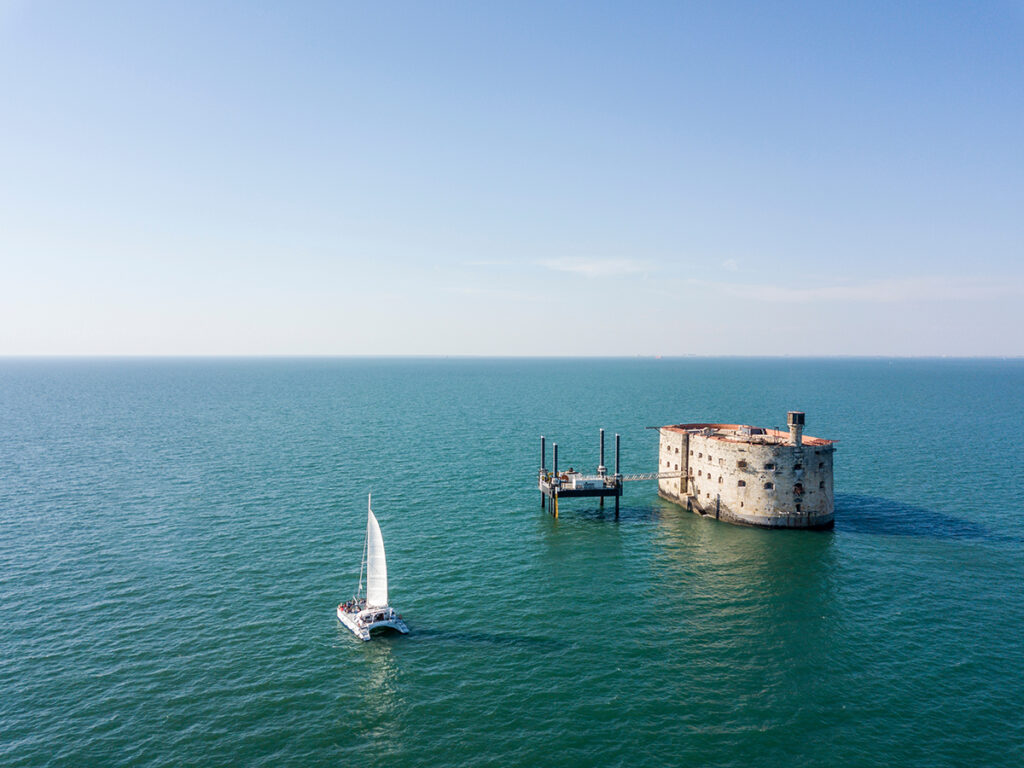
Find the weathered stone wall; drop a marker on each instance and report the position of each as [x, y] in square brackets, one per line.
[673, 457]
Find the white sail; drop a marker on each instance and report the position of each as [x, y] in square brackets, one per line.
[376, 565]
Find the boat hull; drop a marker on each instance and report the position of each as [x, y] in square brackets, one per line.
[362, 625]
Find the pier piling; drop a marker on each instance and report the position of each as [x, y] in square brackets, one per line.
[555, 482]
[618, 475]
[543, 467]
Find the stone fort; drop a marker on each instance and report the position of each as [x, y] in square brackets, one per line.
[749, 475]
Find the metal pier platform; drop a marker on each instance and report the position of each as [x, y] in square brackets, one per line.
[571, 484]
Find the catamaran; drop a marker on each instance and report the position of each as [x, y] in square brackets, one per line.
[365, 613]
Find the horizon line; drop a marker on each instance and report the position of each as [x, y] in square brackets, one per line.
[470, 356]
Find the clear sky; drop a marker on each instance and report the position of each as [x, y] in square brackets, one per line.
[512, 178]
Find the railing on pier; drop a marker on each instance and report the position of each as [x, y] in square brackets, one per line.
[652, 476]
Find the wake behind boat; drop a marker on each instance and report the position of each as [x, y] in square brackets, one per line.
[366, 613]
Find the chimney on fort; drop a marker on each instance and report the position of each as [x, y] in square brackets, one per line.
[796, 427]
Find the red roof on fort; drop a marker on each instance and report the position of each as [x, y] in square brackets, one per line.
[733, 434]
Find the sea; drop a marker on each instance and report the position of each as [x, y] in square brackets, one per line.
[175, 535]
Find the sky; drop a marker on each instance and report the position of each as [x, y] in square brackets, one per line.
[557, 178]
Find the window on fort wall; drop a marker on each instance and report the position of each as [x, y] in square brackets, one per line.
[700, 455]
[797, 507]
[769, 466]
[691, 453]
[821, 465]
[719, 479]
[821, 484]
[797, 466]
[741, 484]
[769, 486]
[742, 464]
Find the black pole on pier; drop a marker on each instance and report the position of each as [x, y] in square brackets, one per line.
[543, 464]
[618, 477]
[601, 469]
[554, 498]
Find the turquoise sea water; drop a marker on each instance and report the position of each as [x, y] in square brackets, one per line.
[175, 536]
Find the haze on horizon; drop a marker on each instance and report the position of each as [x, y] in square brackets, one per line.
[524, 179]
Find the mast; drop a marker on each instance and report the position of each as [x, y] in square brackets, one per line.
[362, 566]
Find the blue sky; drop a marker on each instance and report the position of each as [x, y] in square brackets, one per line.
[512, 179]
